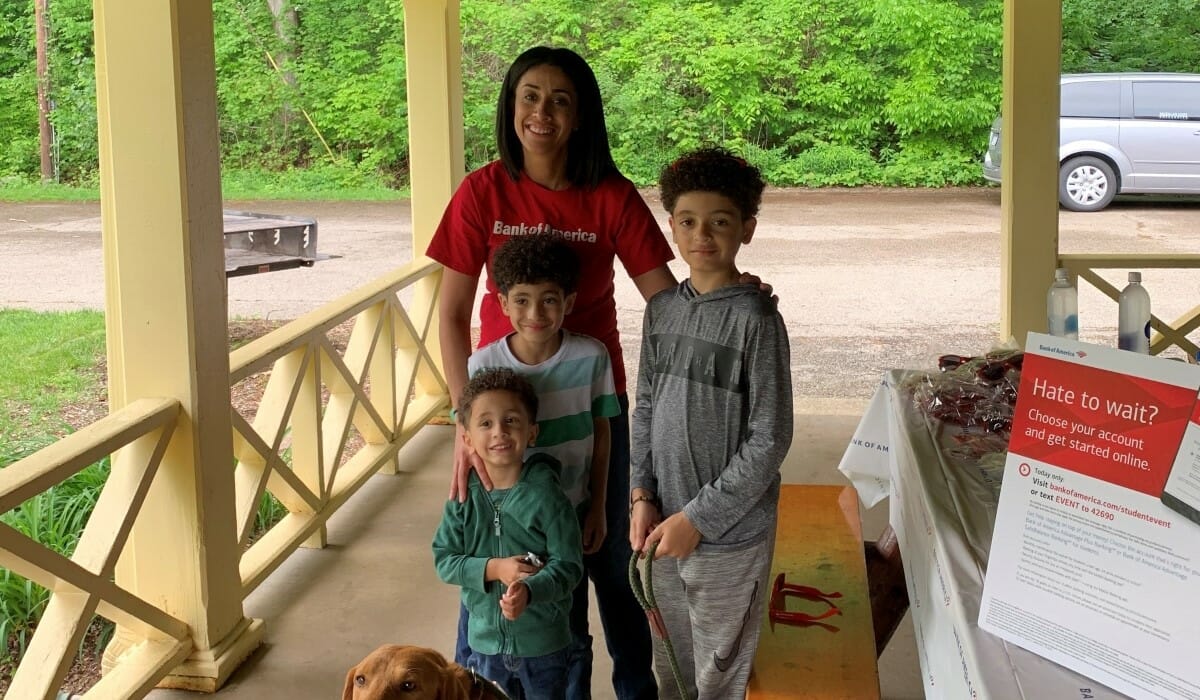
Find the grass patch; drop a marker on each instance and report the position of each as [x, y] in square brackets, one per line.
[326, 181]
[18, 189]
[47, 361]
[318, 182]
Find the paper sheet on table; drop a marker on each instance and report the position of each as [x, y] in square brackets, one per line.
[866, 462]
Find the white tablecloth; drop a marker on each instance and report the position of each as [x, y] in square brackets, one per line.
[943, 510]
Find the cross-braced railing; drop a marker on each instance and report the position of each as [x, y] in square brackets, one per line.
[81, 585]
[327, 418]
[1166, 334]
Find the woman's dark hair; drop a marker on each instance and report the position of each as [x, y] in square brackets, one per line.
[589, 159]
[497, 379]
[534, 259]
[713, 170]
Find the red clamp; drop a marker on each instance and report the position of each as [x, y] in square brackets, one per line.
[778, 612]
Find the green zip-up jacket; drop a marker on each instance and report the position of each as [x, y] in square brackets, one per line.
[534, 516]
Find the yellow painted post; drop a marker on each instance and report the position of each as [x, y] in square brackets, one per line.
[166, 318]
[433, 50]
[1029, 163]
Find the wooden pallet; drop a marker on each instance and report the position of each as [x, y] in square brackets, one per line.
[819, 544]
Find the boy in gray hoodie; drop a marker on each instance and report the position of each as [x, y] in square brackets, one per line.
[712, 423]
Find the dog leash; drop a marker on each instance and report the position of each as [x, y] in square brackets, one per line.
[489, 688]
[645, 598]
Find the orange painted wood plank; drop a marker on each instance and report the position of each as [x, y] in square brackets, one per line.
[819, 544]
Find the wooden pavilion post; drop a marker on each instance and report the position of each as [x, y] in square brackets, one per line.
[1029, 163]
[166, 318]
[433, 49]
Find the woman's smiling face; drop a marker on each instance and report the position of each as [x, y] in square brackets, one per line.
[545, 111]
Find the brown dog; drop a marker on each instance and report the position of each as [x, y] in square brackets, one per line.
[395, 672]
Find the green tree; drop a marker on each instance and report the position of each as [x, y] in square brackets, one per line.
[18, 91]
[350, 71]
[73, 89]
[817, 91]
[945, 87]
[1114, 35]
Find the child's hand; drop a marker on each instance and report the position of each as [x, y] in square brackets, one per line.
[508, 570]
[514, 601]
[676, 537]
[466, 459]
[595, 528]
[642, 520]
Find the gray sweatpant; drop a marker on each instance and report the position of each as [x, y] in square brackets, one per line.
[713, 606]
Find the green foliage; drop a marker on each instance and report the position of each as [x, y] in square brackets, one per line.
[910, 84]
[73, 90]
[916, 166]
[269, 512]
[811, 86]
[18, 90]
[1115, 35]
[55, 519]
[351, 73]
[249, 92]
[832, 164]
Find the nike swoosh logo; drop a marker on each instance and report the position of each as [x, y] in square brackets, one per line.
[723, 663]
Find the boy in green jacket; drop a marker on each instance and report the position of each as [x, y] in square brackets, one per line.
[519, 604]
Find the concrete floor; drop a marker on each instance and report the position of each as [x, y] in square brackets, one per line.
[374, 584]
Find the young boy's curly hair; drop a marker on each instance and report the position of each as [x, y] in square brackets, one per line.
[497, 379]
[713, 170]
[535, 258]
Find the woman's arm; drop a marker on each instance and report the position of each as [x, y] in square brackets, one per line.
[454, 316]
[654, 281]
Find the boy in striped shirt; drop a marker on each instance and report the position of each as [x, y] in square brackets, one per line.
[537, 276]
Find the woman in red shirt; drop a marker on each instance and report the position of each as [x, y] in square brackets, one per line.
[556, 174]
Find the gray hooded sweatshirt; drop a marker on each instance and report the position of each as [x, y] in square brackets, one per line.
[713, 418]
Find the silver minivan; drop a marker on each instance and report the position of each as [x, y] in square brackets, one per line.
[1121, 133]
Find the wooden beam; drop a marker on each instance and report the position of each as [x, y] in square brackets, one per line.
[1029, 163]
[433, 51]
[166, 317]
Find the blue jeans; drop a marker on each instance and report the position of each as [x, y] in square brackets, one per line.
[625, 629]
[526, 678]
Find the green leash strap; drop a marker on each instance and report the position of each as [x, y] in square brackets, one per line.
[645, 598]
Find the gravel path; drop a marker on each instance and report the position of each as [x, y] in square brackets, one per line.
[868, 279]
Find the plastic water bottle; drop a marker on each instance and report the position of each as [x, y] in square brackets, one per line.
[1133, 316]
[1062, 306]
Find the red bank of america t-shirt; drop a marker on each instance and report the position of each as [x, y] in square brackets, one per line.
[602, 224]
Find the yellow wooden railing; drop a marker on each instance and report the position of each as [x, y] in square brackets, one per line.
[81, 585]
[1166, 334]
[325, 422]
[342, 417]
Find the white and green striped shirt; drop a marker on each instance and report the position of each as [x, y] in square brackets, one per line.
[574, 387]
